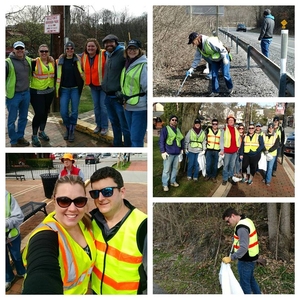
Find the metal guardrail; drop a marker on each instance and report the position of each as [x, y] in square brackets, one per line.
[268, 67]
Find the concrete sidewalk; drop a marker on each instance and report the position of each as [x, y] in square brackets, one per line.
[283, 185]
[84, 134]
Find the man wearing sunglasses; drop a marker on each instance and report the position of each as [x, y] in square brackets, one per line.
[245, 249]
[18, 76]
[120, 231]
[171, 145]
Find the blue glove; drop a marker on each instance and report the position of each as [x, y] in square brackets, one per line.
[189, 72]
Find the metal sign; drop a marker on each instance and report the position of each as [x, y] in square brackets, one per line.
[280, 107]
[52, 24]
[205, 10]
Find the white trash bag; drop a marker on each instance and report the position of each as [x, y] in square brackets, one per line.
[262, 164]
[228, 282]
[202, 163]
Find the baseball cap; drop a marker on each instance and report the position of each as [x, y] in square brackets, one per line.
[192, 36]
[276, 118]
[258, 125]
[18, 44]
[271, 125]
[134, 43]
[197, 121]
[70, 44]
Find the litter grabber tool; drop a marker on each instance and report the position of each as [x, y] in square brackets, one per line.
[182, 84]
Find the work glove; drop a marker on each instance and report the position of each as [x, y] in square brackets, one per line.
[186, 151]
[225, 61]
[164, 155]
[226, 259]
[189, 72]
[180, 157]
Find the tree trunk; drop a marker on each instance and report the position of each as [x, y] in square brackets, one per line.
[272, 226]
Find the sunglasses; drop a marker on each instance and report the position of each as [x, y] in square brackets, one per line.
[175, 120]
[44, 51]
[19, 48]
[241, 128]
[69, 49]
[215, 123]
[106, 192]
[65, 202]
[227, 221]
[251, 127]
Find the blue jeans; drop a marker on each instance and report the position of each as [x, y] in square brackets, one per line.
[225, 71]
[170, 170]
[137, 124]
[238, 165]
[212, 158]
[275, 162]
[68, 95]
[193, 165]
[269, 171]
[265, 45]
[17, 108]
[247, 280]
[14, 248]
[229, 164]
[118, 122]
[100, 109]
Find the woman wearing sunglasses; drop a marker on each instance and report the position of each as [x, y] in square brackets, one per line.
[61, 252]
[251, 148]
[41, 93]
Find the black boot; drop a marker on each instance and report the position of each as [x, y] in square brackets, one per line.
[66, 135]
[71, 133]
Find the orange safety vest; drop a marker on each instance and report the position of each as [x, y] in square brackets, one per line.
[95, 73]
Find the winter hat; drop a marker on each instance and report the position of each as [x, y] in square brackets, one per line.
[192, 36]
[134, 43]
[18, 44]
[111, 37]
[70, 44]
[197, 121]
[267, 12]
[173, 116]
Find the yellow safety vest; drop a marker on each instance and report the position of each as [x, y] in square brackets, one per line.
[208, 51]
[12, 79]
[118, 260]
[251, 144]
[227, 137]
[43, 77]
[14, 231]
[130, 83]
[213, 140]
[253, 248]
[195, 140]
[75, 264]
[172, 136]
[269, 142]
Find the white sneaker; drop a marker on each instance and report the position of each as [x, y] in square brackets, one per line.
[212, 94]
[165, 188]
[189, 178]
[7, 286]
[175, 184]
[230, 91]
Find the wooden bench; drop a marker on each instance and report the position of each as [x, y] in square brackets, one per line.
[31, 208]
[17, 176]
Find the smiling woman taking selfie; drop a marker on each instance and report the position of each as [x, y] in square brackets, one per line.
[61, 253]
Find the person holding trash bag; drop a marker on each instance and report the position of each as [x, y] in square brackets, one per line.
[245, 249]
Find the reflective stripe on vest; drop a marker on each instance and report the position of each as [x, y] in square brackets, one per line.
[213, 140]
[43, 77]
[269, 142]
[14, 231]
[130, 83]
[118, 260]
[196, 141]
[252, 144]
[93, 74]
[253, 248]
[227, 137]
[75, 272]
[172, 136]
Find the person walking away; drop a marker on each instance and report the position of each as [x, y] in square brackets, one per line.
[246, 249]
[69, 168]
[266, 32]
[212, 150]
[215, 53]
[171, 145]
[13, 219]
[69, 85]
[93, 62]
[120, 231]
[271, 141]
[279, 130]
[18, 76]
[41, 93]
[195, 144]
[61, 251]
[115, 62]
[133, 83]
[251, 148]
[229, 146]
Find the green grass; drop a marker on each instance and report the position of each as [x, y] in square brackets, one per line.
[187, 188]
[86, 102]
